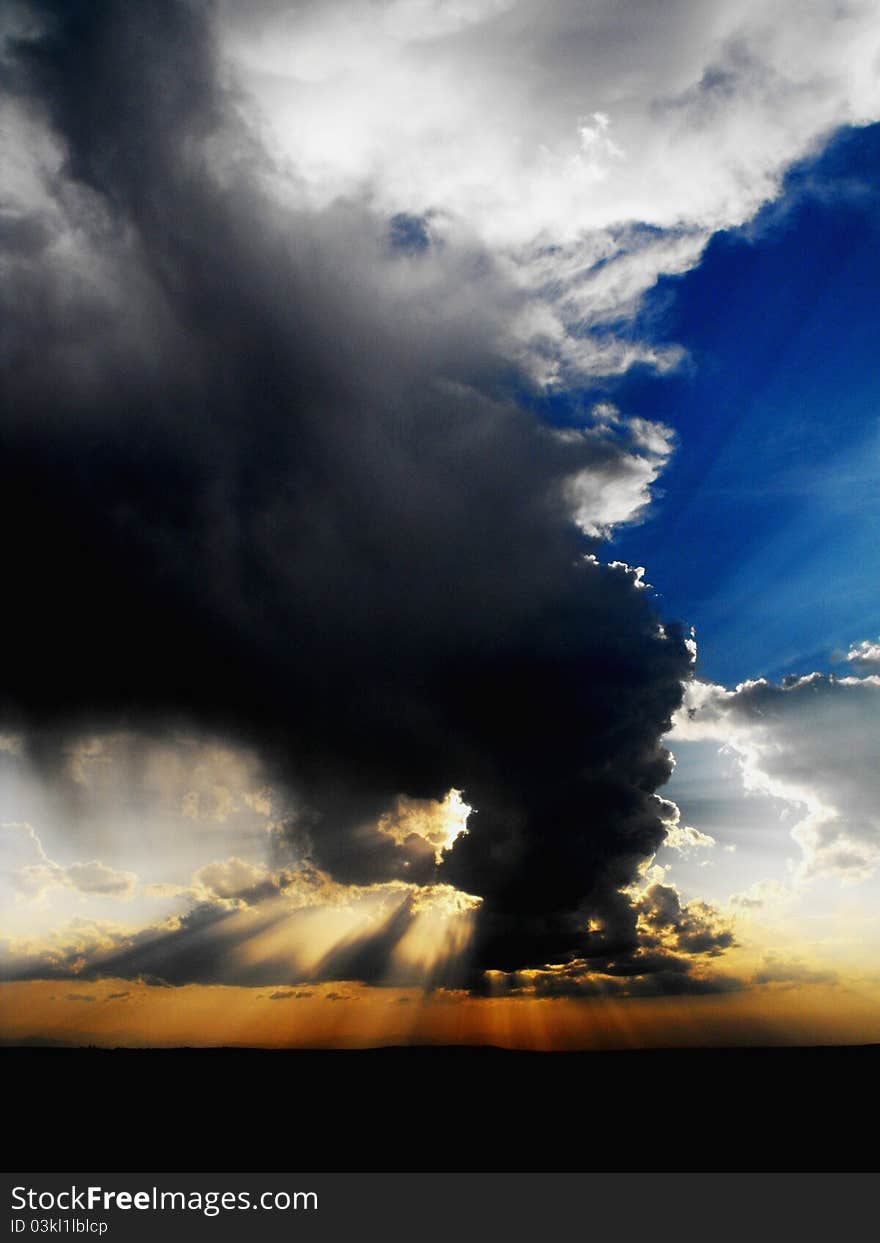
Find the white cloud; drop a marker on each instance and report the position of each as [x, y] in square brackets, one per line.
[21, 847]
[599, 498]
[552, 134]
[569, 155]
[96, 877]
[813, 742]
[156, 805]
[865, 655]
[228, 878]
[566, 155]
[28, 870]
[437, 822]
[686, 838]
[526, 119]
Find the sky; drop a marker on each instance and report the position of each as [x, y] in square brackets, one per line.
[438, 457]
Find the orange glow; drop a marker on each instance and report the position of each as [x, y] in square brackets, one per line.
[119, 1012]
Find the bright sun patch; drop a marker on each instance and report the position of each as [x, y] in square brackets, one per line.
[439, 823]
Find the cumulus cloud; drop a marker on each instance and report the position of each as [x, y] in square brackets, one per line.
[437, 823]
[590, 148]
[96, 877]
[301, 928]
[601, 499]
[62, 952]
[655, 972]
[232, 878]
[281, 288]
[25, 866]
[812, 742]
[589, 117]
[664, 976]
[686, 838]
[309, 508]
[384, 935]
[865, 655]
[690, 928]
[683, 838]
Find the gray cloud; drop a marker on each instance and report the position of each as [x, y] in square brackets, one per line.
[812, 742]
[789, 973]
[692, 928]
[30, 872]
[272, 490]
[660, 976]
[271, 470]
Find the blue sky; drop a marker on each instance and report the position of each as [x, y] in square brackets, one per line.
[763, 534]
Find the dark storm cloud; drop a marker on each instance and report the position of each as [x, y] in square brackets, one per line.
[674, 981]
[273, 944]
[253, 483]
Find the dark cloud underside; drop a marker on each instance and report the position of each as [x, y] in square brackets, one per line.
[253, 482]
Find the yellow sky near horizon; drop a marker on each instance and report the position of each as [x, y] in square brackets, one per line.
[122, 1013]
[122, 886]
